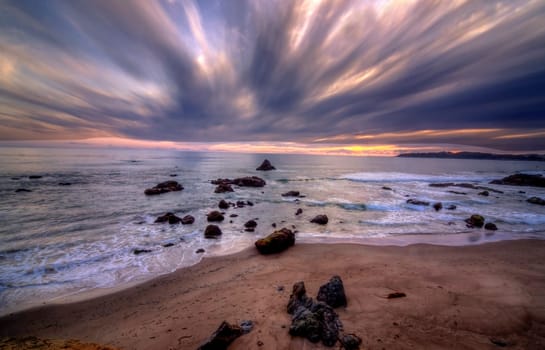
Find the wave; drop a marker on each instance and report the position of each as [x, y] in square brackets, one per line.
[411, 177]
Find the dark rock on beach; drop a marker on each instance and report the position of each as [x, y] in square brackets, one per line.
[291, 194]
[250, 224]
[451, 207]
[23, 190]
[168, 217]
[521, 180]
[188, 220]
[396, 295]
[417, 202]
[320, 219]
[475, 221]
[240, 204]
[164, 187]
[536, 200]
[200, 251]
[490, 226]
[222, 337]
[332, 293]
[265, 166]
[215, 216]
[212, 231]
[299, 211]
[249, 181]
[276, 242]
[438, 206]
[223, 204]
[167, 245]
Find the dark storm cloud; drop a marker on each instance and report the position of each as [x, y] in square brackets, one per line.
[275, 71]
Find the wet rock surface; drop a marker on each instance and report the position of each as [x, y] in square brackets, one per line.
[475, 221]
[320, 219]
[188, 220]
[168, 217]
[276, 242]
[332, 293]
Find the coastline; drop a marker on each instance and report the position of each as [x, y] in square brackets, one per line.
[463, 295]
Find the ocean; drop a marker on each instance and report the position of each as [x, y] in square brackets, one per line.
[58, 240]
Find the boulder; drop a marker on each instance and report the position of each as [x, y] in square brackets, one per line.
[250, 203]
[490, 226]
[521, 180]
[276, 242]
[265, 166]
[223, 204]
[299, 211]
[250, 224]
[249, 181]
[188, 220]
[215, 216]
[240, 204]
[223, 188]
[332, 293]
[168, 217]
[417, 202]
[222, 337]
[475, 221]
[291, 194]
[320, 219]
[164, 187]
[536, 200]
[212, 231]
[438, 206]
[350, 342]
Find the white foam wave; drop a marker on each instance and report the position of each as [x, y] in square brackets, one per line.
[411, 177]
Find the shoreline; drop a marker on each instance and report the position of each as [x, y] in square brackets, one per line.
[462, 294]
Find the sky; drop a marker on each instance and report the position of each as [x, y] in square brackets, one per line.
[340, 77]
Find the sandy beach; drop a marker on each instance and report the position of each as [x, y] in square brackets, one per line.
[457, 298]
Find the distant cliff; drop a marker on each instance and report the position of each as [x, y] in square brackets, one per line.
[476, 155]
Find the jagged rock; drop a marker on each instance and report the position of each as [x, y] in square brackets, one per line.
[250, 224]
[222, 337]
[188, 220]
[222, 188]
[265, 166]
[164, 187]
[536, 200]
[521, 180]
[490, 226]
[168, 217]
[484, 193]
[320, 219]
[140, 251]
[299, 211]
[22, 190]
[215, 216]
[276, 242]
[438, 206]
[475, 221]
[212, 231]
[223, 204]
[332, 293]
[350, 342]
[417, 202]
[291, 194]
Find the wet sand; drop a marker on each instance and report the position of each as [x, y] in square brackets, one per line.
[457, 298]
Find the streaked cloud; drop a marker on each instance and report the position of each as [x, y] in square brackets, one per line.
[359, 73]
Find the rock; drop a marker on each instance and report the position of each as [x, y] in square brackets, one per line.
[212, 231]
[490, 226]
[164, 187]
[222, 337]
[249, 181]
[168, 217]
[499, 342]
[260, 343]
[166, 245]
[475, 221]
[332, 293]
[65, 183]
[350, 342]
[250, 224]
[386, 188]
[33, 177]
[521, 180]
[458, 192]
[16, 178]
[417, 202]
[320, 219]
[222, 188]
[484, 193]
[536, 200]
[23, 190]
[251, 204]
[273, 224]
[265, 166]
[223, 204]
[215, 216]
[173, 175]
[291, 194]
[438, 206]
[233, 215]
[241, 204]
[188, 220]
[299, 211]
[451, 207]
[276, 242]
[200, 251]
[140, 251]
[396, 295]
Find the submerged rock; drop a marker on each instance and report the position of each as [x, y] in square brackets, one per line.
[490, 226]
[248, 181]
[438, 206]
[521, 180]
[215, 216]
[451, 207]
[164, 187]
[22, 190]
[417, 202]
[212, 231]
[291, 194]
[276, 242]
[188, 220]
[200, 251]
[265, 166]
[386, 188]
[484, 193]
[536, 200]
[33, 177]
[475, 221]
[332, 293]
[65, 184]
[168, 217]
[250, 224]
[222, 337]
[320, 219]
[141, 251]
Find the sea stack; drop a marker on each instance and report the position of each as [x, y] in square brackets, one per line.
[265, 166]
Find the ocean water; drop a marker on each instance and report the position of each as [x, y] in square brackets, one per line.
[58, 240]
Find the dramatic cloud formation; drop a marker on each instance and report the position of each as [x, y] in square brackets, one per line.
[364, 73]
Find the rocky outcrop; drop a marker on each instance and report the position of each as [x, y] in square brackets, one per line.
[212, 231]
[536, 200]
[168, 217]
[265, 166]
[320, 219]
[417, 202]
[188, 220]
[248, 181]
[164, 187]
[475, 221]
[521, 180]
[222, 337]
[215, 216]
[276, 242]
[464, 185]
[332, 293]
[223, 204]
